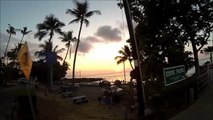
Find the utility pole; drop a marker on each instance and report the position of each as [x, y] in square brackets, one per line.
[140, 88]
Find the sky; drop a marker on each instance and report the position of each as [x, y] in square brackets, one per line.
[100, 41]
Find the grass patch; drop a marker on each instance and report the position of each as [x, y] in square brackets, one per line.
[22, 92]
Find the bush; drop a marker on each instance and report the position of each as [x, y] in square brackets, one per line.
[117, 83]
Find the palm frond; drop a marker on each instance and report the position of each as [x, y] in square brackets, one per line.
[91, 13]
[50, 25]
[72, 12]
[59, 58]
[122, 52]
[28, 32]
[40, 35]
[118, 57]
[24, 31]
[121, 61]
[58, 30]
[41, 45]
[67, 44]
[69, 34]
[8, 31]
[86, 22]
[41, 26]
[75, 20]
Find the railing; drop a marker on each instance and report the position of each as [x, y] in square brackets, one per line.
[202, 81]
[206, 75]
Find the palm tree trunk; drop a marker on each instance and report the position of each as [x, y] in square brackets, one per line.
[22, 38]
[51, 77]
[49, 49]
[76, 50]
[130, 64]
[50, 66]
[124, 72]
[5, 53]
[66, 54]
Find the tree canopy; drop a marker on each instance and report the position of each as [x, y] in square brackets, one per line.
[165, 27]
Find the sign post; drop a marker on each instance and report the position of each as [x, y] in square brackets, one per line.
[174, 74]
[25, 62]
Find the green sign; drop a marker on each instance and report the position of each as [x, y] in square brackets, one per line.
[174, 74]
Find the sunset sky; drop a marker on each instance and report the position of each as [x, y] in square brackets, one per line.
[100, 41]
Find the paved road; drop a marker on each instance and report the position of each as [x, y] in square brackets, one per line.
[202, 109]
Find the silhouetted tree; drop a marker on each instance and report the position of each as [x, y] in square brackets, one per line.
[125, 54]
[40, 67]
[24, 32]
[81, 14]
[50, 26]
[184, 21]
[196, 21]
[48, 47]
[13, 55]
[68, 39]
[45, 55]
[11, 31]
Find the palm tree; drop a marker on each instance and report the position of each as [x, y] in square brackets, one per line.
[207, 50]
[24, 32]
[125, 54]
[45, 47]
[11, 31]
[13, 54]
[81, 14]
[50, 26]
[68, 39]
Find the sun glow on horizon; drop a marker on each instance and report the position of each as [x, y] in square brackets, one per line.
[100, 60]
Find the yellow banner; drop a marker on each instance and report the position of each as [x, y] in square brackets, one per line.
[25, 60]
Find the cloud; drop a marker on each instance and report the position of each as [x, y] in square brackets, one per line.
[92, 39]
[85, 46]
[109, 34]
[104, 34]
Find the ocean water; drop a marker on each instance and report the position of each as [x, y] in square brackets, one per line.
[112, 76]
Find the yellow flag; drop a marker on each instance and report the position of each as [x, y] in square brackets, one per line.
[25, 60]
